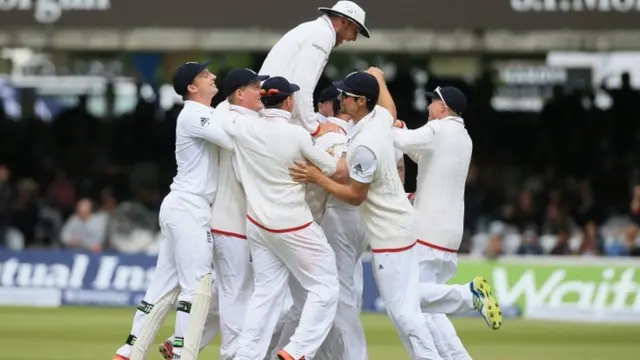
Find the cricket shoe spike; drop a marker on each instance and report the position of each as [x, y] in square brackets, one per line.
[485, 303]
[166, 350]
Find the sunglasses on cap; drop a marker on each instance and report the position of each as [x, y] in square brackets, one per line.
[441, 98]
[271, 92]
[344, 94]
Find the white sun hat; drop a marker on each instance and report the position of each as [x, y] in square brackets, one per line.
[350, 10]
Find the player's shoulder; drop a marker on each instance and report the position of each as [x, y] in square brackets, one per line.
[382, 113]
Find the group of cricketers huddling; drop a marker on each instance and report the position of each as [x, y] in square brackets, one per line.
[274, 204]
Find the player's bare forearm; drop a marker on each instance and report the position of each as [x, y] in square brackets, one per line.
[342, 172]
[344, 192]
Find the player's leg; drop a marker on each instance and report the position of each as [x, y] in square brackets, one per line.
[194, 258]
[449, 266]
[155, 306]
[211, 326]
[232, 262]
[265, 303]
[430, 268]
[286, 315]
[311, 262]
[450, 299]
[398, 280]
[291, 318]
[346, 339]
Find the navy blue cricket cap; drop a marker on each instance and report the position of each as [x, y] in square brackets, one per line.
[240, 77]
[328, 94]
[185, 73]
[276, 89]
[360, 84]
[453, 97]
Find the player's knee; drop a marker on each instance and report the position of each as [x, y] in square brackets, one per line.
[406, 321]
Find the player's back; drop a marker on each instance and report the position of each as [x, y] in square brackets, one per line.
[265, 150]
[442, 176]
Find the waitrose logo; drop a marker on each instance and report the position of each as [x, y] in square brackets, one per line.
[50, 11]
[616, 289]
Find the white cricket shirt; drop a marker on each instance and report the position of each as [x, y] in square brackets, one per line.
[387, 214]
[199, 136]
[265, 148]
[229, 210]
[336, 145]
[442, 149]
[300, 57]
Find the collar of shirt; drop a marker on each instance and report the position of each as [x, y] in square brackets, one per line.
[193, 105]
[358, 126]
[321, 118]
[326, 20]
[243, 110]
[277, 115]
[457, 119]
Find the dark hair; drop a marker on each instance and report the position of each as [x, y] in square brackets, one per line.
[371, 104]
[336, 106]
[273, 102]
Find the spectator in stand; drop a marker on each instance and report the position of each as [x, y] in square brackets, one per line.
[530, 244]
[82, 231]
[61, 194]
[634, 207]
[556, 220]
[6, 200]
[26, 211]
[525, 213]
[592, 243]
[562, 243]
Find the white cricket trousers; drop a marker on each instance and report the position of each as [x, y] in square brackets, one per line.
[185, 257]
[232, 262]
[397, 276]
[437, 267]
[298, 258]
[345, 233]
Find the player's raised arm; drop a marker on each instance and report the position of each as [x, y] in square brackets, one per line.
[385, 99]
[408, 141]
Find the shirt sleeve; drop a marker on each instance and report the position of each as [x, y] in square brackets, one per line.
[203, 126]
[385, 115]
[420, 139]
[309, 67]
[363, 165]
[318, 157]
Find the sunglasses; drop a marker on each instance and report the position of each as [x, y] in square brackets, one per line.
[270, 92]
[437, 91]
[344, 94]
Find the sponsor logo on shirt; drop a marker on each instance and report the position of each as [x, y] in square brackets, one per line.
[204, 121]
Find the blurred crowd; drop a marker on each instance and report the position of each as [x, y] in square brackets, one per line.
[560, 182]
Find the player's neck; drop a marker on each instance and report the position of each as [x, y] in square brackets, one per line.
[360, 115]
[201, 100]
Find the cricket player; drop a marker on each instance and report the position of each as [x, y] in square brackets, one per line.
[386, 213]
[302, 53]
[228, 221]
[442, 149]
[342, 226]
[184, 266]
[287, 247]
[327, 104]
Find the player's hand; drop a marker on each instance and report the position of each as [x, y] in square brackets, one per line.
[377, 72]
[327, 127]
[398, 124]
[303, 172]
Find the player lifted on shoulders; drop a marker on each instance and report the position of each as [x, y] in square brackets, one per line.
[302, 53]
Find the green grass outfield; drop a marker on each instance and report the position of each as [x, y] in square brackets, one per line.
[95, 333]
